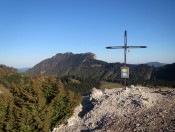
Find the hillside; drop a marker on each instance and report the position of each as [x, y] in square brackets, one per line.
[68, 64]
[166, 72]
[41, 103]
[5, 70]
[86, 65]
[116, 110]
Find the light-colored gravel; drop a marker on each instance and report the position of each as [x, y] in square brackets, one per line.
[133, 109]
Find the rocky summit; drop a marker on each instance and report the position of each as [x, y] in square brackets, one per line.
[116, 110]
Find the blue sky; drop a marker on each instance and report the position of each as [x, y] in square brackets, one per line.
[34, 30]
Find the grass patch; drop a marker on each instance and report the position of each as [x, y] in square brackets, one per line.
[74, 81]
[5, 91]
[110, 85]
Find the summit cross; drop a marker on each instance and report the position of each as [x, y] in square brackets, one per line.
[125, 47]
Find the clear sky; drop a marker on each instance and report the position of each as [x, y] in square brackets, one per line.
[33, 30]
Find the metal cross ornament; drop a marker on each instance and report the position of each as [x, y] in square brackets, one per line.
[125, 70]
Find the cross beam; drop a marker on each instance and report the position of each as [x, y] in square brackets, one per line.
[125, 47]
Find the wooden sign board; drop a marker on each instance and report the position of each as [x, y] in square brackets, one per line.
[124, 72]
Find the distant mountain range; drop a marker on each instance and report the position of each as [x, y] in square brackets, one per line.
[21, 70]
[85, 65]
[155, 64]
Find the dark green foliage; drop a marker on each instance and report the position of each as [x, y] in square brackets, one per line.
[152, 83]
[50, 89]
[147, 83]
[79, 84]
[37, 104]
[166, 72]
[142, 71]
[15, 78]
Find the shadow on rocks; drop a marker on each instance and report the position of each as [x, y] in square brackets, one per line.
[87, 106]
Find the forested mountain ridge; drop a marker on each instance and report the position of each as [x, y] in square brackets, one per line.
[85, 65]
[166, 72]
[5, 70]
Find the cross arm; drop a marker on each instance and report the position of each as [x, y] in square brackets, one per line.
[115, 47]
[136, 46]
[122, 47]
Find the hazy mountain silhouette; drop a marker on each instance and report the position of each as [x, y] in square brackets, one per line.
[21, 70]
[155, 64]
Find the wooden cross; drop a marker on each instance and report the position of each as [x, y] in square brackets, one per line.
[125, 47]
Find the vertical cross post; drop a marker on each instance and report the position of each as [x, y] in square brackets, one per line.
[125, 44]
[125, 51]
[125, 47]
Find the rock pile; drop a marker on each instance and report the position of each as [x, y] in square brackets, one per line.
[133, 109]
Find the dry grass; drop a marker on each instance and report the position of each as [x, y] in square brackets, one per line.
[5, 91]
[75, 81]
[109, 85]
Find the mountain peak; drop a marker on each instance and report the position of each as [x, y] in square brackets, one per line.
[64, 63]
[70, 54]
